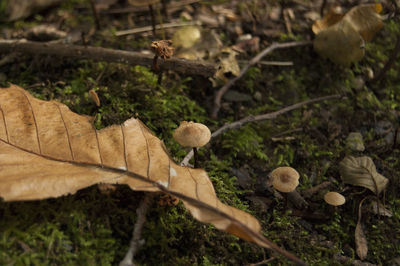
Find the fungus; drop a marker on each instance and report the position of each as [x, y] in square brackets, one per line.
[161, 49]
[285, 179]
[194, 135]
[334, 199]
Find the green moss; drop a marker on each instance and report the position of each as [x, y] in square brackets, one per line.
[94, 228]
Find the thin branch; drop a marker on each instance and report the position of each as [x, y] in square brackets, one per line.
[157, 27]
[261, 117]
[172, 7]
[95, 14]
[136, 241]
[256, 59]
[181, 66]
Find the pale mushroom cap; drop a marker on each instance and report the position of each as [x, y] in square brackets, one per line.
[334, 198]
[190, 134]
[285, 179]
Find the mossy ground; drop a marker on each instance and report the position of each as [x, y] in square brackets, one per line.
[93, 228]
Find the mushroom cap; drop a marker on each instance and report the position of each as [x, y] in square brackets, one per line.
[190, 134]
[285, 179]
[334, 198]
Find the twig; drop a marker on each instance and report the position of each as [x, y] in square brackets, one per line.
[270, 63]
[95, 14]
[262, 117]
[181, 66]
[153, 21]
[136, 241]
[157, 27]
[257, 58]
[172, 7]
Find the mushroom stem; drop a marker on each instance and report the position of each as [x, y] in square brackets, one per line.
[155, 63]
[195, 158]
[284, 194]
[153, 20]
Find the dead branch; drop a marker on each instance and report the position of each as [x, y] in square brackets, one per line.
[136, 241]
[256, 59]
[181, 66]
[262, 117]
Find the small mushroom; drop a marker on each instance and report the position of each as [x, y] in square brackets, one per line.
[194, 135]
[334, 199]
[285, 179]
[161, 49]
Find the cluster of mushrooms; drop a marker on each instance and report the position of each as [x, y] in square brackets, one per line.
[284, 179]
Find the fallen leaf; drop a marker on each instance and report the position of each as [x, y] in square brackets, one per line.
[19, 9]
[359, 236]
[341, 38]
[361, 242]
[365, 19]
[340, 43]
[361, 171]
[331, 18]
[47, 151]
[379, 208]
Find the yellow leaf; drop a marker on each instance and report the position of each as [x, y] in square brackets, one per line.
[340, 43]
[341, 37]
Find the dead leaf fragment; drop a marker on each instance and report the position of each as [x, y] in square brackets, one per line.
[46, 151]
[361, 242]
[331, 18]
[361, 171]
[341, 37]
[340, 43]
[379, 208]
[95, 98]
[359, 236]
[365, 19]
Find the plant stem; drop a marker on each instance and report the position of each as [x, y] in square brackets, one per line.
[153, 20]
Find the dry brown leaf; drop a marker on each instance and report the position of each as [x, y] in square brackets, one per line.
[46, 151]
[341, 38]
[331, 18]
[361, 242]
[361, 171]
[365, 19]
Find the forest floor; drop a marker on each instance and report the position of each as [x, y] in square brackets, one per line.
[93, 227]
